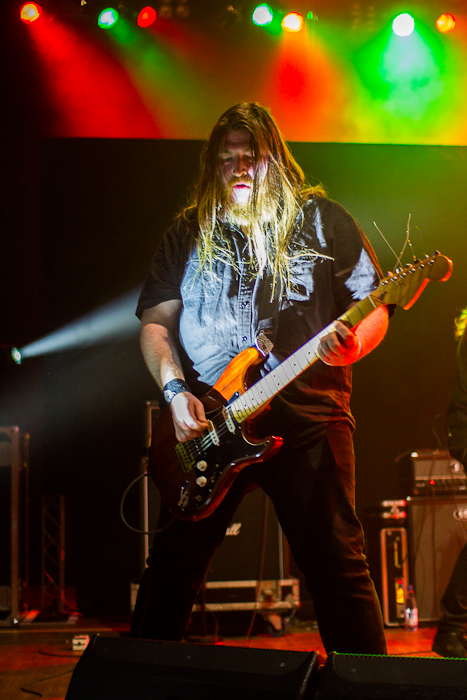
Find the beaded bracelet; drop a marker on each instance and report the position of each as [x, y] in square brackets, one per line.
[174, 387]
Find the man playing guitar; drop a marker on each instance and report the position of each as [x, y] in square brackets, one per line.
[260, 251]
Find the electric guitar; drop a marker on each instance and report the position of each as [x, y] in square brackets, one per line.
[193, 477]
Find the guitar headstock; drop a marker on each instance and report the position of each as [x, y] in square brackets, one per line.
[404, 286]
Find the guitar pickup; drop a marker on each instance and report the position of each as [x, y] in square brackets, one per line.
[213, 434]
[228, 420]
[184, 457]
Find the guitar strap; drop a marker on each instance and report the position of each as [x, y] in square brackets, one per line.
[269, 311]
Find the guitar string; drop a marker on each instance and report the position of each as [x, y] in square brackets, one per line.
[221, 428]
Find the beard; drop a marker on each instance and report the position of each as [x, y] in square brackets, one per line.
[237, 214]
[248, 214]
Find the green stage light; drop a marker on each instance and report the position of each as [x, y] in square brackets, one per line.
[403, 25]
[262, 15]
[107, 18]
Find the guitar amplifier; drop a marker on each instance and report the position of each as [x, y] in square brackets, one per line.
[437, 533]
[430, 472]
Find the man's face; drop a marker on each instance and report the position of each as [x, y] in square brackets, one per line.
[236, 166]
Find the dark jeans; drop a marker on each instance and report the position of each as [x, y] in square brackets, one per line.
[454, 600]
[313, 493]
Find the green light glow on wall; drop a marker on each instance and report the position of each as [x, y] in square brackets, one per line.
[410, 69]
[123, 31]
[405, 75]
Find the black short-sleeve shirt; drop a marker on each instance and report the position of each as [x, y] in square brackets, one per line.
[331, 265]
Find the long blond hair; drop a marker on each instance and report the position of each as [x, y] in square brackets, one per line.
[283, 185]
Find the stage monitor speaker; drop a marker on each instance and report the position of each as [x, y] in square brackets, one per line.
[138, 669]
[367, 677]
[438, 531]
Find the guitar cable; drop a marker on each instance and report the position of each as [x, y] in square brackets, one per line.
[122, 515]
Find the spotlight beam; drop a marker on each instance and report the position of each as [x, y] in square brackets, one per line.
[114, 321]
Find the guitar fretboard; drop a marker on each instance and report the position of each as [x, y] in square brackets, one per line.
[272, 383]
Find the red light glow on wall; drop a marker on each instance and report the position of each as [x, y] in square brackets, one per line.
[89, 91]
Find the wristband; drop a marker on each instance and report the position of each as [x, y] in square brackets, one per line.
[172, 388]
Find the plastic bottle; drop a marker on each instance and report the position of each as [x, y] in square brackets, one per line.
[411, 611]
[400, 600]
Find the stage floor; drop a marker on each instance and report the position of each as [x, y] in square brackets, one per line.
[39, 658]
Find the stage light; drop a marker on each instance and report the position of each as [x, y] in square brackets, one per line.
[112, 322]
[16, 355]
[30, 12]
[403, 25]
[293, 22]
[146, 17]
[107, 18]
[445, 23]
[262, 15]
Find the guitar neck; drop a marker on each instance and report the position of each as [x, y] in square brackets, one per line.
[272, 383]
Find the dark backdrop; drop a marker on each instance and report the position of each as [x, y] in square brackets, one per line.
[90, 227]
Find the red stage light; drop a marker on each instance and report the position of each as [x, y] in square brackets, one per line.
[293, 22]
[445, 23]
[30, 12]
[146, 17]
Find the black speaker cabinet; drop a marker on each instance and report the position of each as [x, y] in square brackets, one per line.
[365, 677]
[438, 531]
[13, 525]
[139, 669]
[253, 527]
